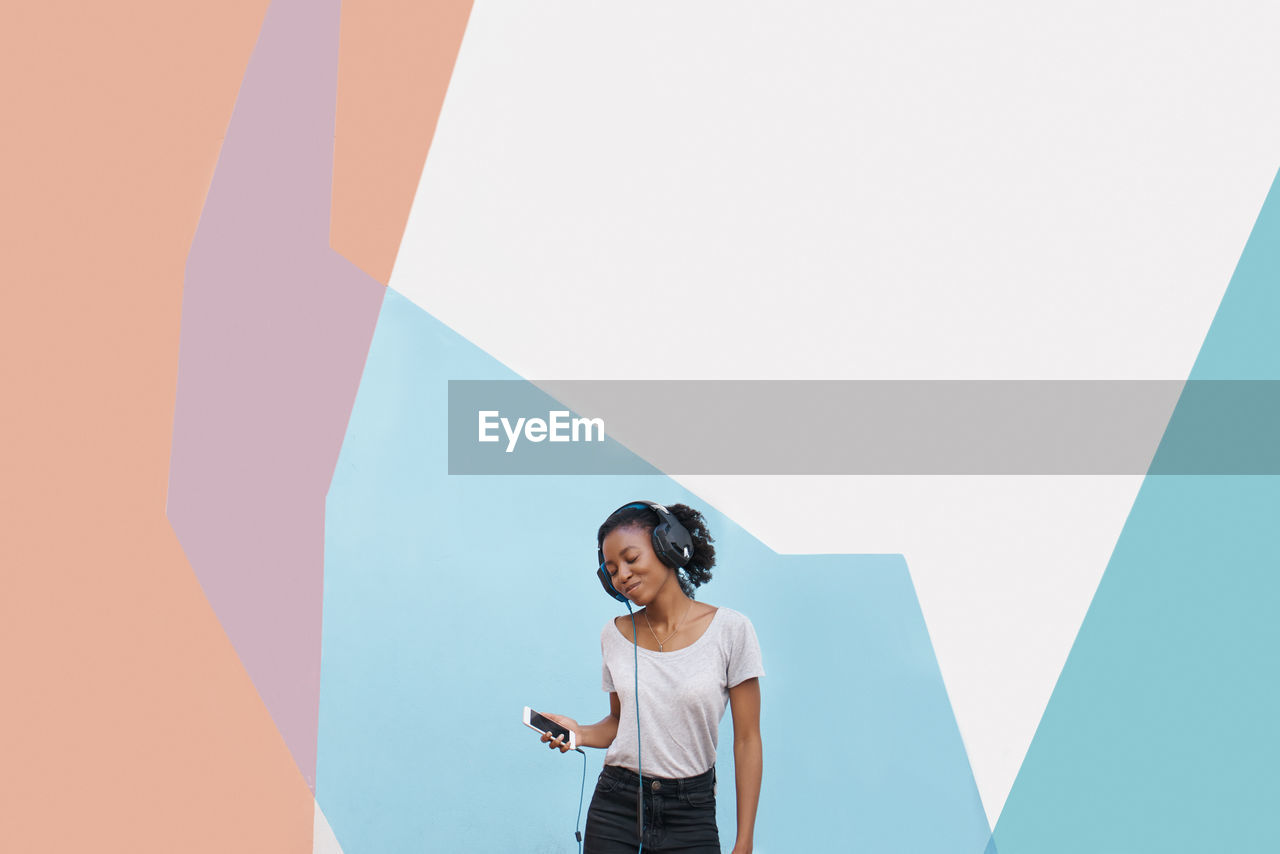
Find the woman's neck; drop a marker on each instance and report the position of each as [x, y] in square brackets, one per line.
[669, 605]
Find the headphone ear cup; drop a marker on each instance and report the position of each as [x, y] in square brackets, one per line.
[673, 544]
[608, 585]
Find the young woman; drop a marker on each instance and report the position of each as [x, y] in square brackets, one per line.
[694, 660]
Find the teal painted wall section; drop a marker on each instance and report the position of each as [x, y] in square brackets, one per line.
[1160, 735]
[452, 602]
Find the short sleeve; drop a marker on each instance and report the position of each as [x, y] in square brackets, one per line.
[745, 660]
[606, 678]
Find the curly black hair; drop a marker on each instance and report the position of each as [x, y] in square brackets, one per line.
[697, 571]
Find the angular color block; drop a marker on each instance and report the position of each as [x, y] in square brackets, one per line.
[127, 723]
[394, 65]
[1161, 734]
[275, 327]
[323, 840]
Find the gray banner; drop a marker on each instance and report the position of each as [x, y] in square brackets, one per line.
[864, 427]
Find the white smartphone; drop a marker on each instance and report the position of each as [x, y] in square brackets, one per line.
[539, 723]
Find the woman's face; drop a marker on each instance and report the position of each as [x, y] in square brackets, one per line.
[633, 567]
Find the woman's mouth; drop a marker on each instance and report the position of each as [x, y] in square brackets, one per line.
[631, 588]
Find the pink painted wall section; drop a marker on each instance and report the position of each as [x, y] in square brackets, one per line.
[275, 329]
[395, 62]
[128, 723]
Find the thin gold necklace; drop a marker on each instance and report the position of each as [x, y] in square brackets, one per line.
[673, 631]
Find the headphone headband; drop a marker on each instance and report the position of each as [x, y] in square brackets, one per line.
[672, 543]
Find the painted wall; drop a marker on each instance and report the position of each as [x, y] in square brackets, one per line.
[239, 580]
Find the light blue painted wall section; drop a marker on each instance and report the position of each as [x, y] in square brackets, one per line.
[1161, 735]
[451, 602]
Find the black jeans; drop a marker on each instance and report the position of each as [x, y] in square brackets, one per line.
[679, 814]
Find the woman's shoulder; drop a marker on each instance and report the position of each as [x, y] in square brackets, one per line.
[735, 629]
[740, 646]
[618, 628]
[728, 617]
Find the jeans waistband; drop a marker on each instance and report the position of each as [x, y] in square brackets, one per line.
[705, 781]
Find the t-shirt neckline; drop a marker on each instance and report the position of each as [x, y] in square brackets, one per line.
[675, 652]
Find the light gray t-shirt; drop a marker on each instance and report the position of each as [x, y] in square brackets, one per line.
[683, 694]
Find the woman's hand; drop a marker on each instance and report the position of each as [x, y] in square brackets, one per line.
[599, 734]
[569, 724]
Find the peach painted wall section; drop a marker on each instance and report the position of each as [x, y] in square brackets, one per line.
[394, 62]
[128, 722]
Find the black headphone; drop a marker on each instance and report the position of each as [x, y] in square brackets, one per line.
[672, 543]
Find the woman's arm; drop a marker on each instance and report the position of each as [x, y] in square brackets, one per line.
[748, 759]
[599, 734]
[602, 732]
